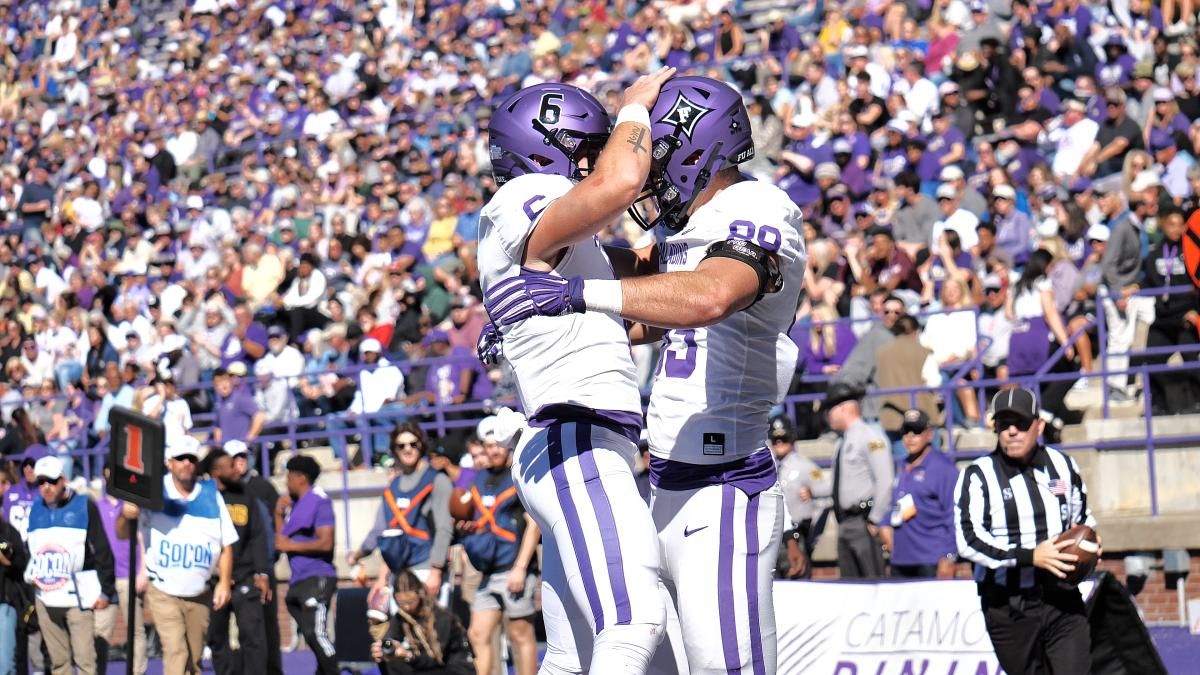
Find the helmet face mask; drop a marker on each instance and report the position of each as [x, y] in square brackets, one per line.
[700, 126]
[548, 128]
[662, 195]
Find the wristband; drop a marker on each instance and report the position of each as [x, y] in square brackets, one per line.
[634, 112]
[603, 295]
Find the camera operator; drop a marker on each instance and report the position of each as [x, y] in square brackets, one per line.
[422, 637]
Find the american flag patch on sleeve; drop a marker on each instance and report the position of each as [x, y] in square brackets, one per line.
[1058, 486]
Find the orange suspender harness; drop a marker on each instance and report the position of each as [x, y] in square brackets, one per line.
[400, 517]
[488, 516]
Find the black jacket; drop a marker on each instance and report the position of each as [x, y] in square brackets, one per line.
[266, 496]
[250, 551]
[456, 650]
[261, 488]
[13, 589]
[1164, 266]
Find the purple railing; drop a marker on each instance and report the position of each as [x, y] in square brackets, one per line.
[289, 430]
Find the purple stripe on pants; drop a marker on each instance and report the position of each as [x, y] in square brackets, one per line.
[729, 634]
[756, 649]
[609, 535]
[578, 543]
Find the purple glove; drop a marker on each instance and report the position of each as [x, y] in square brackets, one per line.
[489, 347]
[533, 293]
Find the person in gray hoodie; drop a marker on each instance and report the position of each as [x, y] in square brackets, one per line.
[1121, 267]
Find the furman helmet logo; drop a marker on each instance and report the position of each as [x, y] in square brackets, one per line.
[685, 114]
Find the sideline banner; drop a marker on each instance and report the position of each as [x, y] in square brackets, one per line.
[889, 628]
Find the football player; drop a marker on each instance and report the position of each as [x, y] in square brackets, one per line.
[735, 261]
[563, 177]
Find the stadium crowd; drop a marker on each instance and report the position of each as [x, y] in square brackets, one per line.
[261, 212]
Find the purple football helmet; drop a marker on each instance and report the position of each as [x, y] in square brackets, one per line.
[699, 126]
[547, 128]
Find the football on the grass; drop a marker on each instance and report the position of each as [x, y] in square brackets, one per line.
[1083, 544]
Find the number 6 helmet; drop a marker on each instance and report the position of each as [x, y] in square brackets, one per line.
[699, 126]
[547, 128]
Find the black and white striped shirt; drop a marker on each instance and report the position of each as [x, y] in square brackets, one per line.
[1004, 508]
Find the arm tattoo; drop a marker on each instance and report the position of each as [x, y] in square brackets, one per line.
[635, 139]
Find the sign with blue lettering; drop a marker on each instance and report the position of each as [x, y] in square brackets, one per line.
[184, 555]
[135, 455]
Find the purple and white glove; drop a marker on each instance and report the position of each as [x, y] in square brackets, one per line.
[533, 293]
[490, 345]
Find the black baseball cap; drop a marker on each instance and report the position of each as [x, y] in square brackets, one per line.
[915, 422]
[1020, 402]
[781, 429]
[306, 465]
[840, 392]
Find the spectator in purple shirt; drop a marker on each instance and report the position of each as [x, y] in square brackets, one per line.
[1012, 227]
[920, 533]
[1118, 64]
[782, 40]
[893, 159]
[800, 159]
[19, 497]
[945, 147]
[825, 343]
[238, 417]
[305, 525]
[248, 340]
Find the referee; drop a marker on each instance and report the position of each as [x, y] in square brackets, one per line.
[1009, 507]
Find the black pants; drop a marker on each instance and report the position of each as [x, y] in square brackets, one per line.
[914, 571]
[1036, 635]
[271, 622]
[1172, 392]
[860, 556]
[308, 602]
[1054, 392]
[298, 320]
[246, 604]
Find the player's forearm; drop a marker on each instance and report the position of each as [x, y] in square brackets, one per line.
[680, 300]
[589, 207]
[225, 572]
[529, 542]
[691, 299]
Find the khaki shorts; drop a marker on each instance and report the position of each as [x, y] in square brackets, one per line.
[493, 595]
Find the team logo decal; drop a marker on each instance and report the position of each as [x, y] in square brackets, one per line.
[685, 114]
[51, 567]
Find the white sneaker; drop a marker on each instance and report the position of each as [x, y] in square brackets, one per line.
[1178, 28]
[1080, 385]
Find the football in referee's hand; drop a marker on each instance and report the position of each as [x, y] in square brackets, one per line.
[1083, 543]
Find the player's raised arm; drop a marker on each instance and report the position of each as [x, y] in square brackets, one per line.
[611, 186]
[731, 241]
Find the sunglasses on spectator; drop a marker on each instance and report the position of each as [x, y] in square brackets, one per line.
[1021, 423]
[190, 459]
[401, 445]
[893, 312]
[43, 480]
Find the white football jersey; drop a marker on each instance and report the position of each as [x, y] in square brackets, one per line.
[715, 386]
[582, 359]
